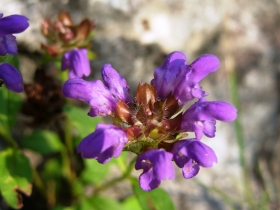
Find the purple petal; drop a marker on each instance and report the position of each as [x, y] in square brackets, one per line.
[192, 149]
[94, 93]
[209, 128]
[190, 169]
[11, 77]
[115, 83]
[210, 110]
[170, 73]
[201, 153]
[107, 141]
[202, 66]
[157, 166]
[77, 62]
[3, 49]
[148, 181]
[13, 24]
[11, 44]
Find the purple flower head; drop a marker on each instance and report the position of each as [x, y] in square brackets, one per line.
[11, 77]
[157, 165]
[101, 96]
[9, 25]
[191, 154]
[105, 142]
[182, 80]
[201, 117]
[77, 62]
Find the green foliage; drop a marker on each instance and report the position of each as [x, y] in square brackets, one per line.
[15, 174]
[99, 203]
[80, 120]
[156, 199]
[131, 203]
[42, 141]
[94, 172]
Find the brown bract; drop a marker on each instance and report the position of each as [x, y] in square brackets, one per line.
[149, 121]
[62, 35]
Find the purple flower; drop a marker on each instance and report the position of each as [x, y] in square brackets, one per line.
[201, 117]
[105, 142]
[77, 62]
[11, 77]
[182, 80]
[191, 154]
[101, 96]
[11, 25]
[157, 165]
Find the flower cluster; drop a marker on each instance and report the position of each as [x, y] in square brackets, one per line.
[10, 25]
[153, 125]
[71, 40]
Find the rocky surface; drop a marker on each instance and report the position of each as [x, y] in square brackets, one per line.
[135, 36]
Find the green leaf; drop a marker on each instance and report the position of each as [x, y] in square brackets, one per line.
[94, 172]
[81, 121]
[10, 105]
[91, 55]
[131, 203]
[156, 199]
[100, 203]
[15, 174]
[42, 141]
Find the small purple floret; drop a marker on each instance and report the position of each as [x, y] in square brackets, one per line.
[157, 166]
[105, 142]
[102, 97]
[201, 117]
[11, 77]
[190, 154]
[182, 80]
[77, 62]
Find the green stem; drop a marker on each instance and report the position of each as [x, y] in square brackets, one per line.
[68, 136]
[240, 139]
[119, 179]
[8, 138]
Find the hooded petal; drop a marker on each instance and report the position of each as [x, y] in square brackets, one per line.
[157, 166]
[77, 62]
[13, 24]
[11, 44]
[194, 150]
[107, 141]
[94, 93]
[11, 77]
[201, 116]
[115, 83]
[170, 73]
[189, 87]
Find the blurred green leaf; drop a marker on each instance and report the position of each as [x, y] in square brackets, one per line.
[131, 203]
[63, 208]
[52, 169]
[10, 105]
[42, 141]
[94, 172]
[15, 174]
[81, 121]
[156, 199]
[99, 203]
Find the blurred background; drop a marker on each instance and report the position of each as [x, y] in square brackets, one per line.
[135, 36]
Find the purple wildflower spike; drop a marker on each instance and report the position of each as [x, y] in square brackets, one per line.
[190, 154]
[157, 166]
[11, 77]
[105, 142]
[201, 117]
[153, 123]
[77, 62]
